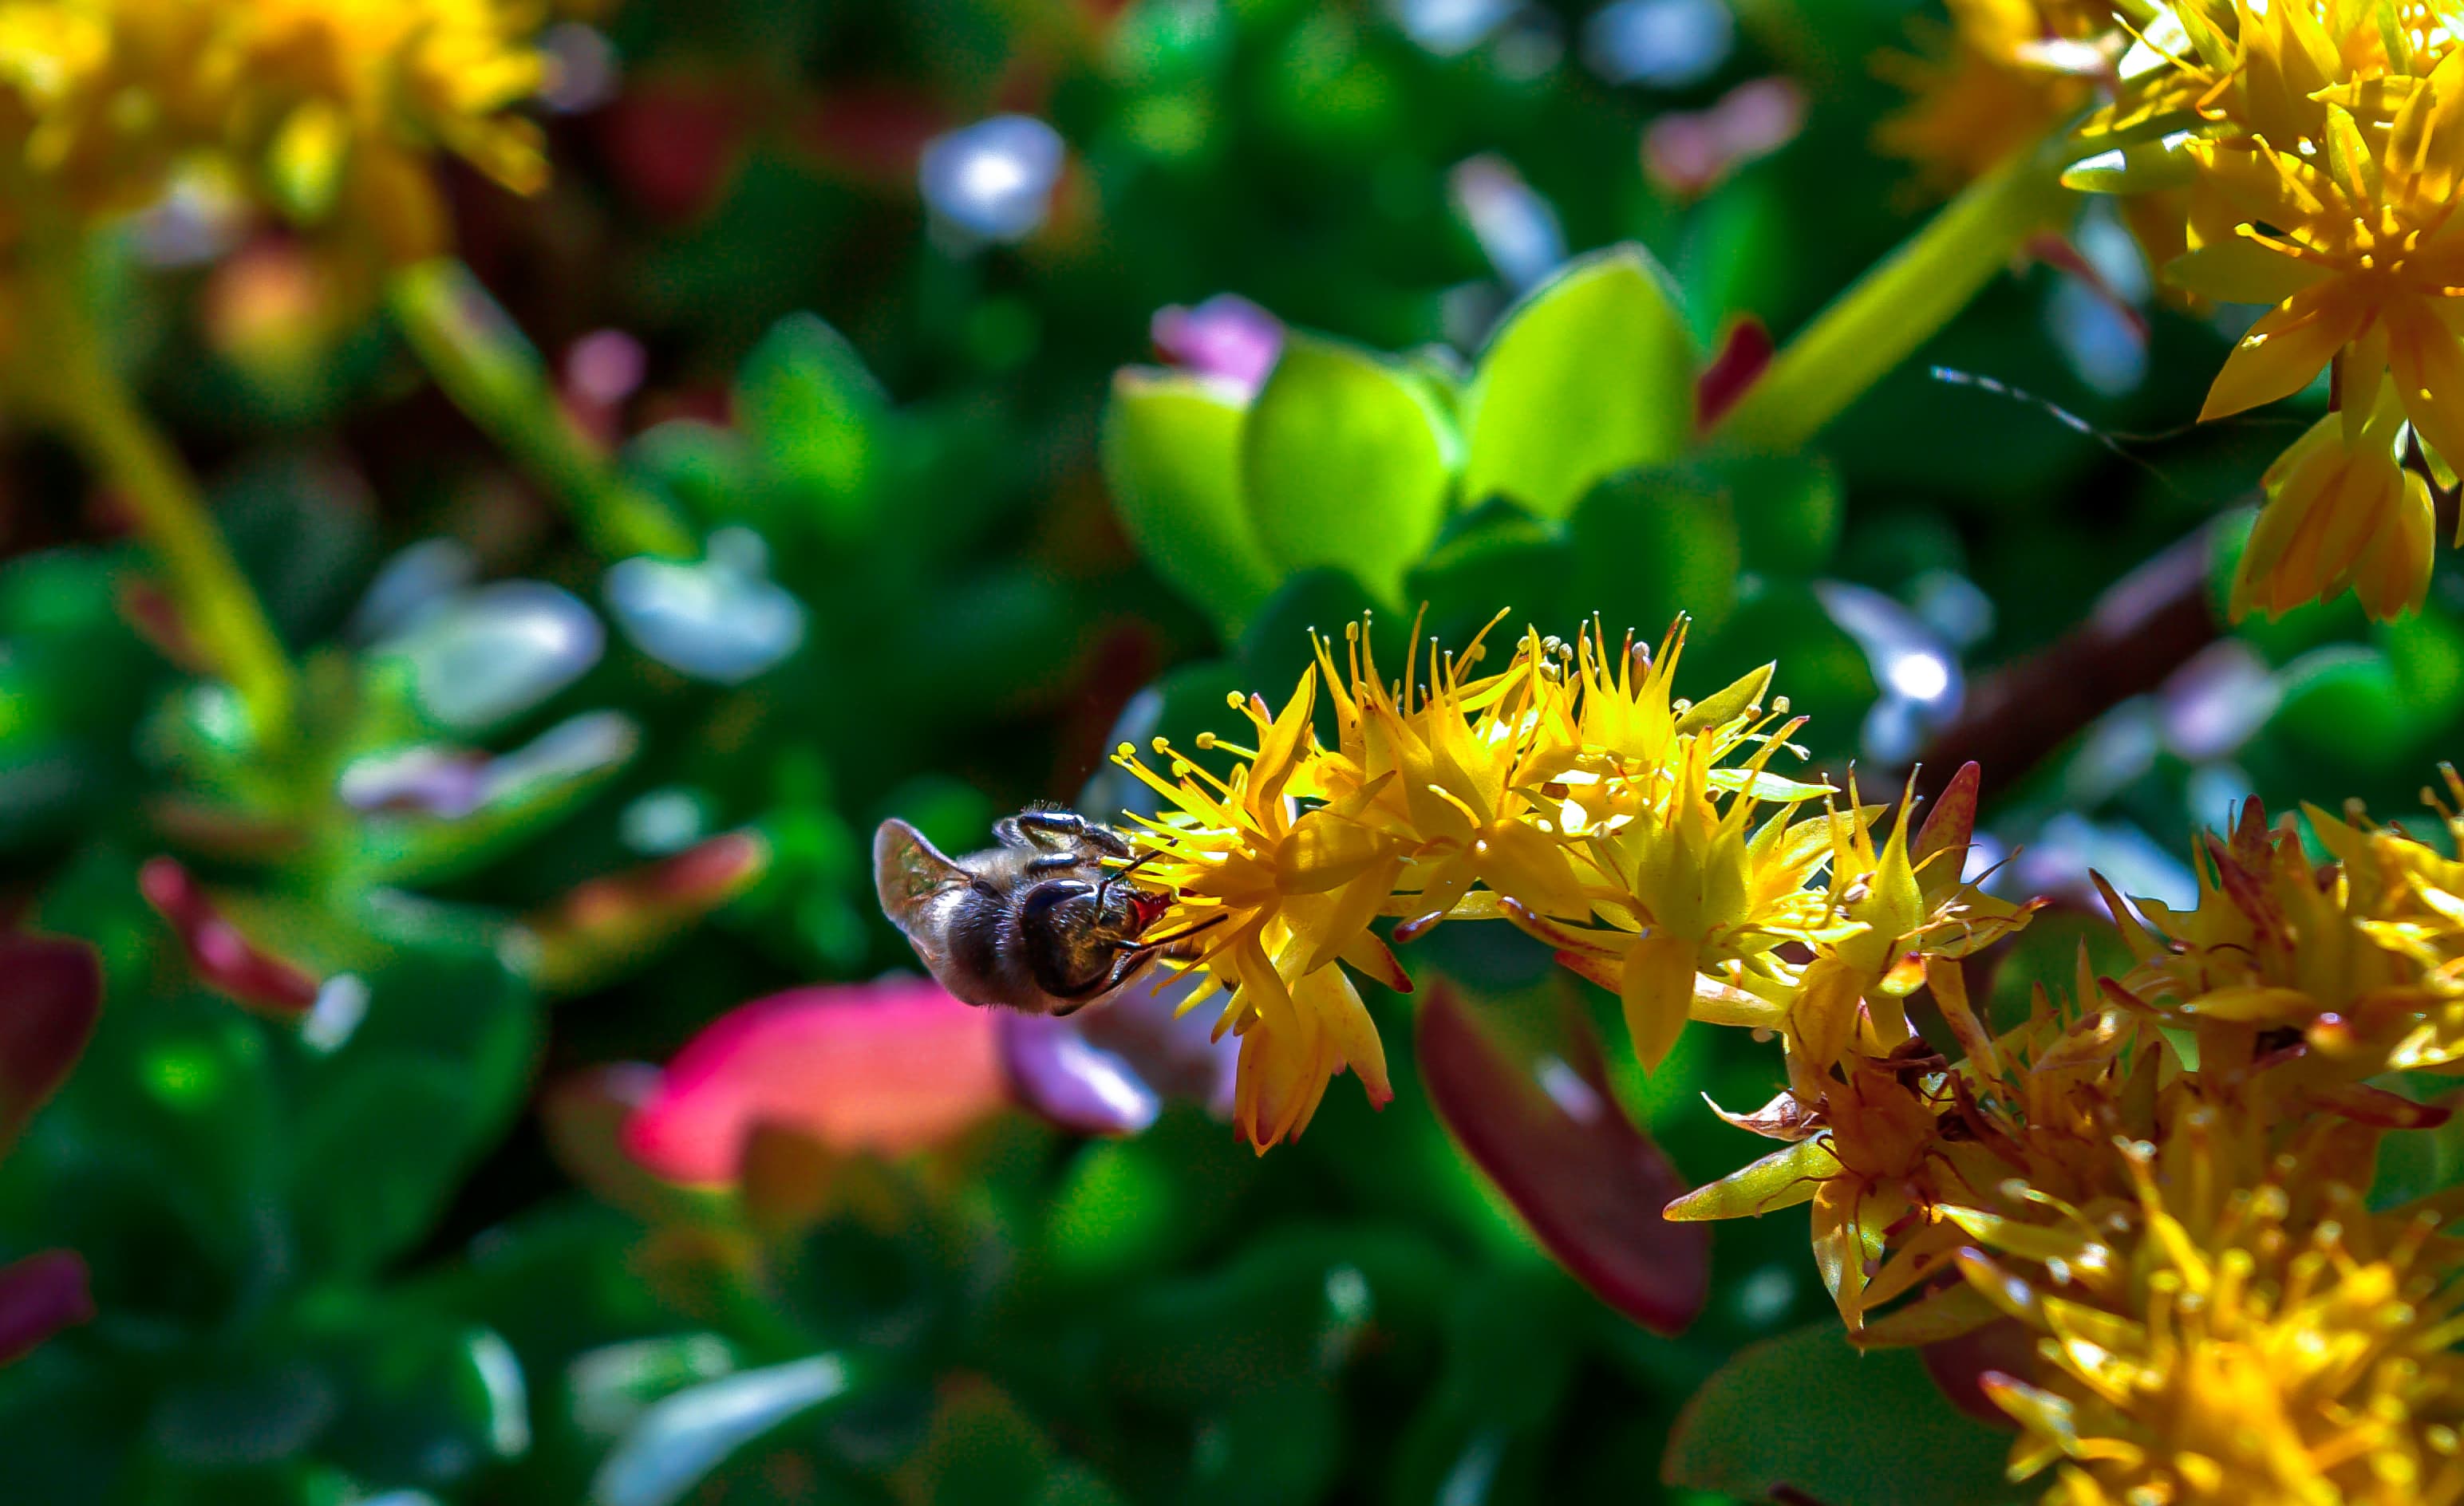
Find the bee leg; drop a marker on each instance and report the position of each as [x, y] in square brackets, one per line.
[1124, 967]
[1042, 828]
[1055, 863]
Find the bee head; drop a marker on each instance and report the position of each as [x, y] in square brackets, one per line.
[1069, 927]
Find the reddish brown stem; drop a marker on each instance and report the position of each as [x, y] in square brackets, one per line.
[2144, 628]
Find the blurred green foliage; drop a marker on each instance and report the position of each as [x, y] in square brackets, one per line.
[949, 537]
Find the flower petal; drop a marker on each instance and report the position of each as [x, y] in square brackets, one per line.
[888, 1067]
[2281, 354]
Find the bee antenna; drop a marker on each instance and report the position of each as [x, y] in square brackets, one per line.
[1104, 889]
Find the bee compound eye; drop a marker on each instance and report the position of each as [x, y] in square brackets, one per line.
[1056, 901]
[1061, 922]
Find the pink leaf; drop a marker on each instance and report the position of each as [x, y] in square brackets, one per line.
[1745, 353]
[51, 993]
[1547, 1129]
[39, 1296]
[607, 925]
[220, 954]
[885, 1067]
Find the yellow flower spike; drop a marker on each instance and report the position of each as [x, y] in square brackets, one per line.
[1575, 796]
[1656, 989]
[2320, 149]
[1822, 1020]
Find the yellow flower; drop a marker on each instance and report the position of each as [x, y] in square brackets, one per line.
[1451, 773]
[2243, 1330]
[2306, 157]
[1907, 1158]
[335, 104]
[1642, 836]
[1892, 909]
[1270, 896]
[2009, 72]
[2341, 513]
[1675, 866]
[327, 109]
[2362, 961]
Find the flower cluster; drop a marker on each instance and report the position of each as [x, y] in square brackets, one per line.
[2165, 1179]
[2302, 158]
[2237, 1325]
[2305, 158]
[2163, 1176]
[1574, 794]
[324, 109]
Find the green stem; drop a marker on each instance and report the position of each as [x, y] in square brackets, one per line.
[86, 398]
[495, 377]
[1901, 301]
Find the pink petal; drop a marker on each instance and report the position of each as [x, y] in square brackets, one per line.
[887, 1067]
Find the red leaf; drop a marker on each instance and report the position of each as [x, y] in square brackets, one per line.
[39, 1296]
[1745, 353]
[674, 142]
[1952, 821]
[51, 993]
[2378, 1107]
[604, 926]
[887, 1067]
[1959, 1366]
[1547, 1129]
[583, 1118]
[221, 955]
[872, 134]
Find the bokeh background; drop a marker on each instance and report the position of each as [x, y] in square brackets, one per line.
[746, 485]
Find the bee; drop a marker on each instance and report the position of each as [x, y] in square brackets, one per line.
[1038, 923]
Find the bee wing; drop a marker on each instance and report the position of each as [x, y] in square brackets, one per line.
[912, 878]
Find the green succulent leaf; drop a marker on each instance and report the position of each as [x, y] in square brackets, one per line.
[1172, 458]
[816, 415]
[1590, 375]
[1807, 1412]
[1346, 461]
